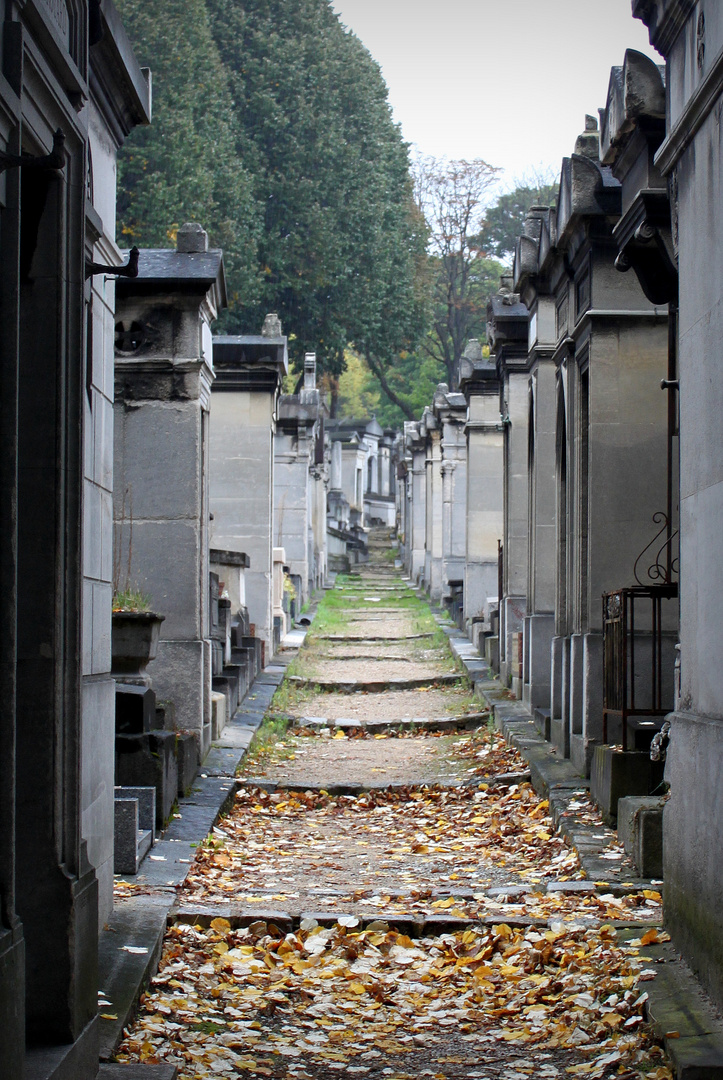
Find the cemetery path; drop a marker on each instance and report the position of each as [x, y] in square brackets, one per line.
[391, 901]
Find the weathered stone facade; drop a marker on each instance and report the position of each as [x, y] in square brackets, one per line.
[690, 160]
[597, 352]
[56, 389]
[163, 374]
[249, 370]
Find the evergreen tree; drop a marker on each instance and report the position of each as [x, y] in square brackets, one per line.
[341, 241]
[186, 166]
[503, 221]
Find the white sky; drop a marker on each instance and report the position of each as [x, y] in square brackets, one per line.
[509, 81]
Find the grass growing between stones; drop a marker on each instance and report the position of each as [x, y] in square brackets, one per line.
[267, 744]
[327, 621]
[288, 699]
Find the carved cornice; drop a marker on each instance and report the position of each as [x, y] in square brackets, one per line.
[664, 19]
[697, 109]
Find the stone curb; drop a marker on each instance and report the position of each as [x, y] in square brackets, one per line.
[375, 686]
[414, 924]
[369, 637]
[435, 723]
[683, 1017]
[353, 790]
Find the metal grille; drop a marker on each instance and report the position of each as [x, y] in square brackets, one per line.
[628, 614]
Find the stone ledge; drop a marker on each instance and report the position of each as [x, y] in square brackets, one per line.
[435, 723]
[135, 1071]
[376, 686]
[414, 923]
[684, 1017]
[139, 923]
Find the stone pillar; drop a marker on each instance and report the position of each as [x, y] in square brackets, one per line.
[485, 489]
[295, 446]
[450, 409]
[507, 322]
[164, 373]
[416, 499]
[433, 506]
[542, 515]
[249, 370]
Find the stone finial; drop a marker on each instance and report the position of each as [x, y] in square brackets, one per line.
[588, 143]
[192, 238]
[272, 326]
[310, 371]
[472, 350]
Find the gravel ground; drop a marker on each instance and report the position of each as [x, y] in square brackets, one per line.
[394, 629]
[375, 670]
[380, 650]
[389, 705]
[373, 762]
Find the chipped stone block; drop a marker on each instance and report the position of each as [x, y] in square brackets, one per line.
[640, 831]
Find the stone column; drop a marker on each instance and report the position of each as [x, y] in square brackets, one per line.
[507, 332]
[451, 412]
[249, 370]
[297, 429]
[540, 622]
[433, 506]
[485, 488]
[416, 500]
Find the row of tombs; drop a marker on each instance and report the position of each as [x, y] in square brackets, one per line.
[539, 496]
[232, 500]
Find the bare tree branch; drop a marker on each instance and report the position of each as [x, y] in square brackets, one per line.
[453, 197]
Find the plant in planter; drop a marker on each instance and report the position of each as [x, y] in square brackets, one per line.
[130, 600]
[135, 633]
[136, 629]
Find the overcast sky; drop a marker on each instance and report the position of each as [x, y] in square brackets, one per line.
[509, 81]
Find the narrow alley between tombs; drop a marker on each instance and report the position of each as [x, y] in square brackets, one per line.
[388, 896]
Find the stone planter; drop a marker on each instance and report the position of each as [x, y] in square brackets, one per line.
[134, 643]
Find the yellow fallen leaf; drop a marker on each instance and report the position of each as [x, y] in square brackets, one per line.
[108, 1016]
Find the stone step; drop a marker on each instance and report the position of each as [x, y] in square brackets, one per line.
[376, 686]
[353, 638]
[415, 924]
[465, 722]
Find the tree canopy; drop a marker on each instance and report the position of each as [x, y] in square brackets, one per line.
[503, 221]
[285, 123]
[186, 166]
